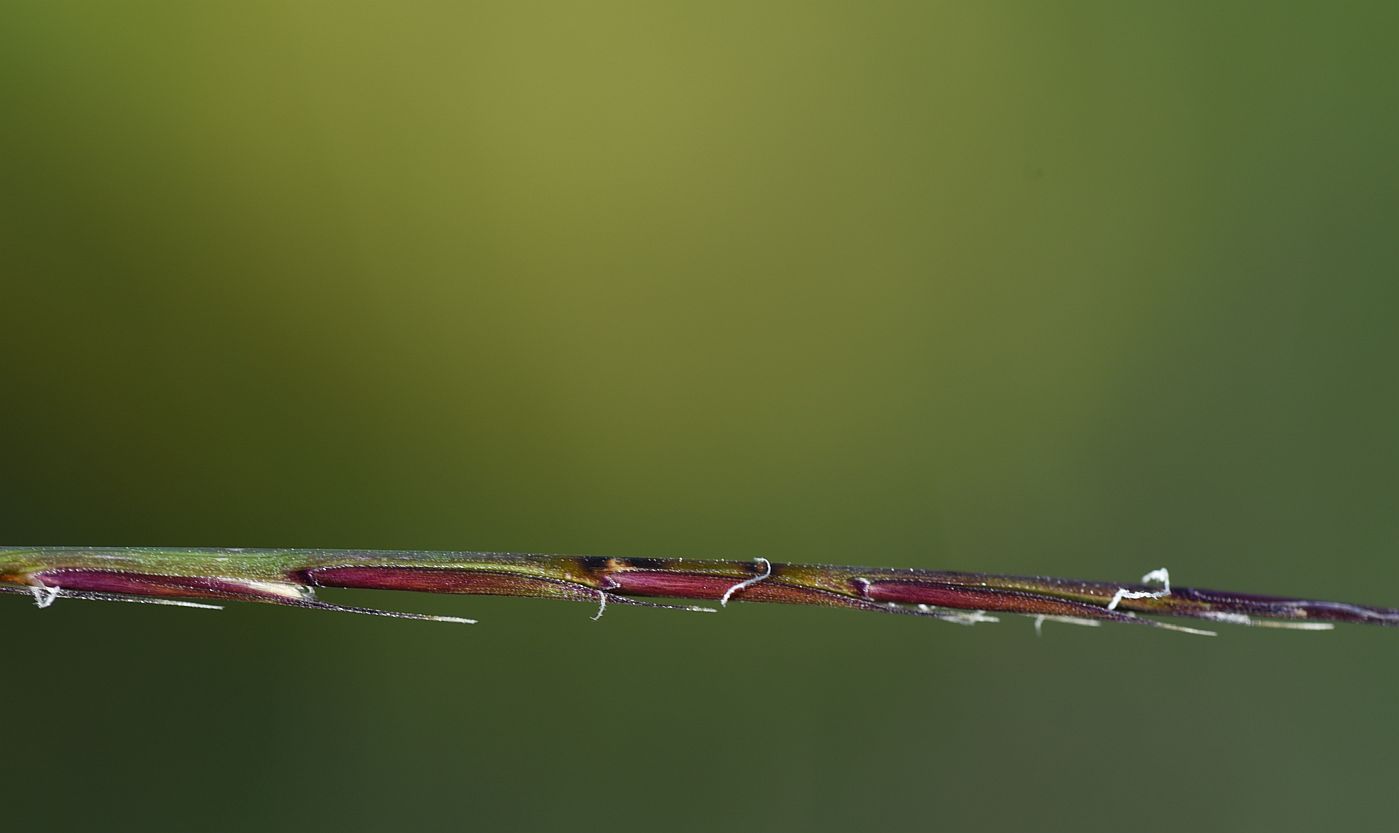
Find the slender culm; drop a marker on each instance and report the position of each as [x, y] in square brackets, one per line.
[202, 577]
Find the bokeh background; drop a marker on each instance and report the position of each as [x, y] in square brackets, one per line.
[1073, 288]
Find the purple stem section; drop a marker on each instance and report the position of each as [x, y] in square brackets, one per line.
[622, 580]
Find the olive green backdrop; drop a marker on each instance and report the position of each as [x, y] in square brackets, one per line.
[1073, 288]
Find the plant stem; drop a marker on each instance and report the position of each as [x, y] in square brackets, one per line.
[191, 576]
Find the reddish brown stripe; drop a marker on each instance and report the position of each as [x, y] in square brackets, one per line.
[968, 598]
[141, 584]
[704, 586]
[445, 580]
[674, 585]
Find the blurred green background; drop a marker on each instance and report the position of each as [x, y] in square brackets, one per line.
[1073, 288]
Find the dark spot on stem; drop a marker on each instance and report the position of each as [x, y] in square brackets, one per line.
[593, 564]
